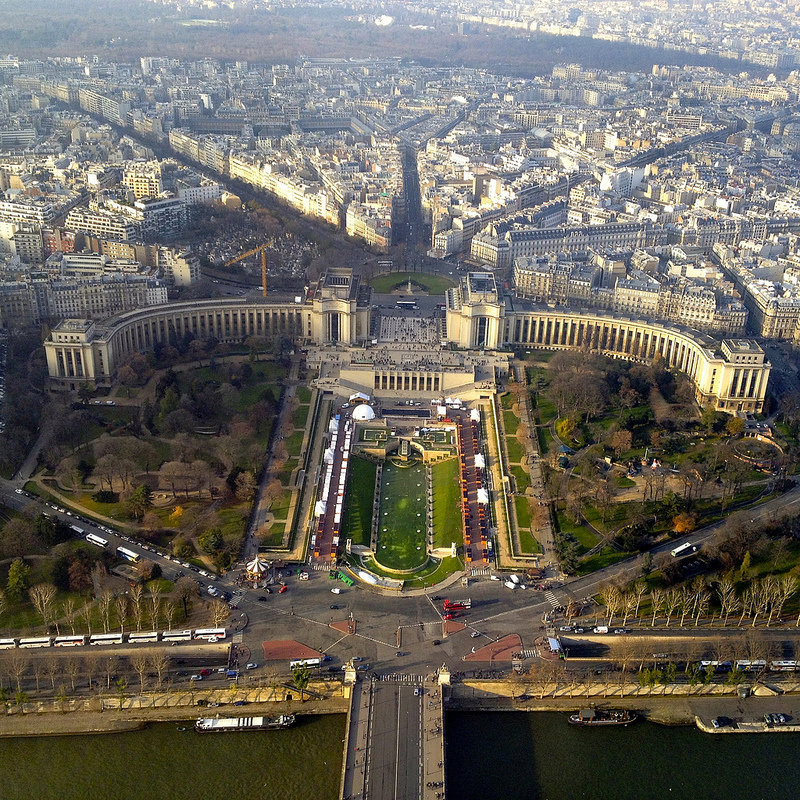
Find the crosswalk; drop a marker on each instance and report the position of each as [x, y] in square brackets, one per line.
[402, 677]
[552, 599]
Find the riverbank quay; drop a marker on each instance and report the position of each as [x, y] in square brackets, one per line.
[117, 714]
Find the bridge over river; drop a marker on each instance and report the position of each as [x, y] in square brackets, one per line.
[395, 740]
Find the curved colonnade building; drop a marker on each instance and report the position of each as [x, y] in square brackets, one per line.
[730, 375]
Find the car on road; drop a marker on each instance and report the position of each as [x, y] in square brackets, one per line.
[399, 653]
[205, 671]
[196, 678]
[357, 658]
[715, 723]
[334, 607]
[435, 642]
[262, 599]
[336, 590]
[475, 634]
[566, 628]
[417, 691]
[252, 665]
[240, 702]
[620, 631]
[282, 589]
[580, 630]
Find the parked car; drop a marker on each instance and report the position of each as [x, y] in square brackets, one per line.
[252, 665]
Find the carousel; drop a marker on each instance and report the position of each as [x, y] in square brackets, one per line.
[256, 569]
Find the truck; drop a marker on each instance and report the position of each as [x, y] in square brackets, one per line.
[457, 605]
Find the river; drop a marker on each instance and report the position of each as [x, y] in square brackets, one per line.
[539, 756]
[490, 756]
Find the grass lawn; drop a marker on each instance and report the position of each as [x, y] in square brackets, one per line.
[515, 451]
[528, 543]
[447, 522]
[357, 521]
[523, 509]
[300, 416]
[586, 538]
[510, 422]
[604, 558]
[623, 482]
[232, 522]
[432, 284]
[521, 477]
[280, 506]
[545, 410]
[113, 510]
[433, 572]
[545, 440]
[304, 394]
[284, 474]
[275, 536]
[401, 524]
[507, 400]
[294, 443]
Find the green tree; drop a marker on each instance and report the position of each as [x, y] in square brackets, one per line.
[139, 502]
[734, 426]
[211, 540]
[301, 676]
[18, 576]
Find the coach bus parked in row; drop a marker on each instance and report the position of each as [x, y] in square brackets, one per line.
[134, 637]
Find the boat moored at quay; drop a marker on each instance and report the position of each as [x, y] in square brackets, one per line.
[598, 716]
[222, 724]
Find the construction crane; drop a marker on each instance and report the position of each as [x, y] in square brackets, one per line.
[263, 250]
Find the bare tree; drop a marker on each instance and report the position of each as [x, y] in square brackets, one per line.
[219, 612]
[639, 590]
[672, 601]
[169, 613]
[86, 614]
[656, 602]
[121, 605]
[52, 668]
[92, 661]
[137, 596]
[728, 599]
[140, 662]
[702, 599]
[42, 596]
[69, 613]
[110, 666]
[629, 604]
[38, 670]
[155, 609]
[158, 663]
[104, 601]
[72, 666]
[18, 665]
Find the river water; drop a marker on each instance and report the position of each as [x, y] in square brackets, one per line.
[491, 756]
[539, 756]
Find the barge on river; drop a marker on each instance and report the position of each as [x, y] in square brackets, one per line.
[221, 724]
[597, 716]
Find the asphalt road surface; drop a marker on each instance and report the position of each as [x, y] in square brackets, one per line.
[395, 757]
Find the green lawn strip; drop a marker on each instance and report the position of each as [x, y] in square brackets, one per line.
[357, 519]
[622, 482]
[280, 506]
[523, 509]
[604, 558]
[433, 572]
[300, 416]
[515, 449]
[401, 522]
[275, 536]
[510, 422]
[615, 516]
[545, 409]
[159, 586]
[506, 400]
[586, 538]
[447, 521]
[232, 522]
[528, 543]
[294, 443]
[113, 510]
[521, 477]
[284, 474]
[433, 284]
[304, 394]
[546, 441]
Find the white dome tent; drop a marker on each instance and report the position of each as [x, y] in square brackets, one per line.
[363, 413]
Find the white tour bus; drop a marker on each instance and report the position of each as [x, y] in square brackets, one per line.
[7, 644]
[97, 540]
[69, 641]
[128, 555]
[38, 641]
[305, 662]
[211, 634]
[143, 636]
[105, 638]
[176, 636]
